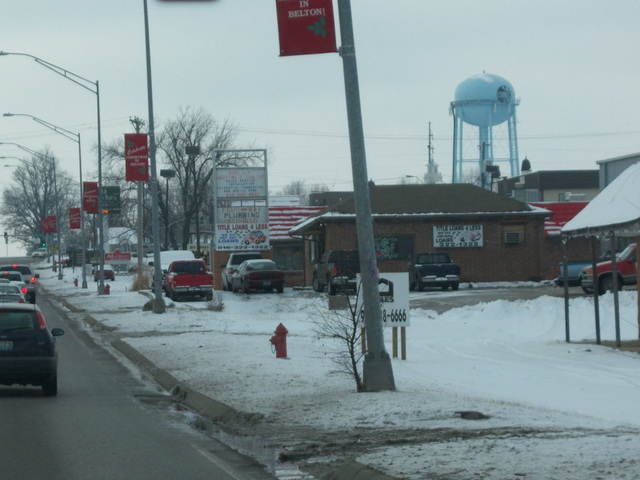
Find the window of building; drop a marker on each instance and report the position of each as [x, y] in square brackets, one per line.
[289, 257]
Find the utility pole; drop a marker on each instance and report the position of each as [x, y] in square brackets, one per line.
[137, 125]
[377, 371]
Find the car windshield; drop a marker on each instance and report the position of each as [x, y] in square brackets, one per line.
[17, 320]
[626, 252]
[8, 289]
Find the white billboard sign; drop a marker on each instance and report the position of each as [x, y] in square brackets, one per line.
[447, 236]
[238, 183]
[394, 300]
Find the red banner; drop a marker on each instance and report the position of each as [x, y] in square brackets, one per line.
[306, 27]
[90, 197]
[74, 218]
[48, 224]
[136, 157]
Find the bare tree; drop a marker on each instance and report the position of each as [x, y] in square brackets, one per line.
[343, 326]
[302, 190]
[193, 180]
[39, 189]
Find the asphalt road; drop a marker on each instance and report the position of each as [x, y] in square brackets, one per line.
[105, 424]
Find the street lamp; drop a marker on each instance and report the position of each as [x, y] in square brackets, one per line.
[57, 200]
[93, 87]
[417, 178]
[76, 138]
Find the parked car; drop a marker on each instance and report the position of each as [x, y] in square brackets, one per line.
[28, 277]
[336, 269]
[434, 269]
[109, 273]
[626, 267]
[231, 267]
[188, 278]
[40, 253]
[28, 348]
[11, 293]
[258, 274]
[574, 271]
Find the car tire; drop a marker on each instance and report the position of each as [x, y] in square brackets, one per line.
[225, 286]
[245, 288]
[280, 289]
[455, 286]
[208, 296]
[317, 286]
[50, 387]
[174, 296]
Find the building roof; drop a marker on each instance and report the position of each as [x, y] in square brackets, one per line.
[562, 213]
[616, 208]
[431, 200]
[282, 218]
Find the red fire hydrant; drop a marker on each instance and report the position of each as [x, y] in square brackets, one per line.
[107, 289]
[75, 281]
[279, 341]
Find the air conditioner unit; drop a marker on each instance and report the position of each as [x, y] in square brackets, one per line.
[512, 237]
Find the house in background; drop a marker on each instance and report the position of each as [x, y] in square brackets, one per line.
[551, 186]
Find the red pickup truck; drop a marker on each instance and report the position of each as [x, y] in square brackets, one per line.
[626, 272]
[188, 278]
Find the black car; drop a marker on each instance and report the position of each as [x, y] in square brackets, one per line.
[231, 267]
[28, 348]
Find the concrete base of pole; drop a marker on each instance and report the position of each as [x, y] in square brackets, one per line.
[159, 305]
[377, 373]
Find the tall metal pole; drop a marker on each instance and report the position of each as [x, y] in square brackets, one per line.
[158, 303]
[377, 370]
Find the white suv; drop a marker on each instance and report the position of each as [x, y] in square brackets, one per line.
[39, 253]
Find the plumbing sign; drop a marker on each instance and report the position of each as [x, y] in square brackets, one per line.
[394, 299]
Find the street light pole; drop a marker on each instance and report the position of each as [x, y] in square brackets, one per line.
[93, 87]
[76, 138]
[158, 302]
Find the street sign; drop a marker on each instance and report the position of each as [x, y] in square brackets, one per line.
[117, 257]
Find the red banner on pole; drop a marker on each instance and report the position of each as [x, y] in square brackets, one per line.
[90, 197]
[74, 218]
[48, 224]
[306, 27]
[136, 157]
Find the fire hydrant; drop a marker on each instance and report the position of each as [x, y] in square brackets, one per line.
[75, 281]
[107, 289]
[279, 341]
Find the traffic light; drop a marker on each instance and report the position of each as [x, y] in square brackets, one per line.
[43, 244]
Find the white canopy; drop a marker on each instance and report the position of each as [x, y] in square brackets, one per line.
[616, 208]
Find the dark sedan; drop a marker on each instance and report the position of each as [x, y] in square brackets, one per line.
[27, 348]
[258, 274]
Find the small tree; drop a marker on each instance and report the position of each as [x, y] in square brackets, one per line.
[342, 325]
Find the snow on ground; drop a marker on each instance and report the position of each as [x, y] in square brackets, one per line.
[556, 410]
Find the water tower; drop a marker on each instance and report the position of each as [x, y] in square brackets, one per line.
[484, 102]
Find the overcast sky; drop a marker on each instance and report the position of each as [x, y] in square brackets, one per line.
[573, 64]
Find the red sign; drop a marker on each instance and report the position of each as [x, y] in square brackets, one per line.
[90, 197]
[48, 224]
[306, 27]
[74, 218]
[117, 257]
[136, 157]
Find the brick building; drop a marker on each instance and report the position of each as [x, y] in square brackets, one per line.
[493, 237]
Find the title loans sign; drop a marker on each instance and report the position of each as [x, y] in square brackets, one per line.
[457, 236]
[306, 27]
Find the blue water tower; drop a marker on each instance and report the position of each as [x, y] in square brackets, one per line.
[483, 102]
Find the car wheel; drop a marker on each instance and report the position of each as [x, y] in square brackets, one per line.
[225, 286]
[50, 387]
[174, 296]
[208, 296]
[245, 288]
[455, 286]
[605, 285]
[317, 286]
[332, 289]
[280, 289]
[419, 286]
